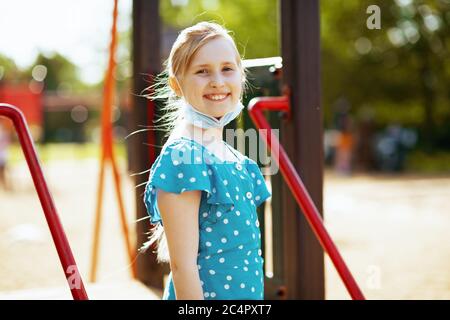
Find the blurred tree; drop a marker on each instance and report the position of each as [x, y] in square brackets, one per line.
[9, 70]
[254, 23]
[59, 73]
[401, 72]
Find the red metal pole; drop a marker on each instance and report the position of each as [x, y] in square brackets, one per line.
[57, 231]
[297, 187]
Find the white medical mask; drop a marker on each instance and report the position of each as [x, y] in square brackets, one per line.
[199, 119]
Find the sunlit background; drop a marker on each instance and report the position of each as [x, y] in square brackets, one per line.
[386, 108]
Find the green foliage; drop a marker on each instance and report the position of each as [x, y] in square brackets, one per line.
[401, 71]
[9, 70]
[253, 23]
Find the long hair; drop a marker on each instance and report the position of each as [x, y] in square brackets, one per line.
[188, 42]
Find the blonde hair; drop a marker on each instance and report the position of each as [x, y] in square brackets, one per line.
[188, 42]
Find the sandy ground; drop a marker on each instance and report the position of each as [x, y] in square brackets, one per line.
[393, 231]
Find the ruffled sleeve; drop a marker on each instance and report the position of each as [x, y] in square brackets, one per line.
[181, 167]
[261, 191]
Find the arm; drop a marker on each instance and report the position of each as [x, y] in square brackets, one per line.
[179, 213]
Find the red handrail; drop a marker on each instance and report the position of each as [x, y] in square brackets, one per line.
[297, 187]
[59, 237]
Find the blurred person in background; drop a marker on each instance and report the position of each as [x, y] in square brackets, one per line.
[344, 147]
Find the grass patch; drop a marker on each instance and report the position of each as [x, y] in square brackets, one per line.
[421, 162]
[64, 151]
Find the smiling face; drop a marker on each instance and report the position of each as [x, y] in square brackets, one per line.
[212, 83]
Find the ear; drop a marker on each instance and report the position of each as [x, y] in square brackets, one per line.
[173, 83]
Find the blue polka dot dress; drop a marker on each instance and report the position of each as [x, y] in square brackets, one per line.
[229, 258]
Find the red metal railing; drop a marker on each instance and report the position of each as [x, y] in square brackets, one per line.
[57, 231]
[278, 154]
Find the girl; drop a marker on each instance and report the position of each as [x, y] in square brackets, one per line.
[202, 194]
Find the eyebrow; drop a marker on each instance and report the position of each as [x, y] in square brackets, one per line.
[207, 65]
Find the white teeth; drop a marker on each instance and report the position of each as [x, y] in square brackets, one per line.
[216, 97]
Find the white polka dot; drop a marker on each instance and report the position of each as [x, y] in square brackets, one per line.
[227, 286]
[251, 201]
[209, 172]
[257, 223]
[229, 278]
[180, 175]
[237, 188]
[252, 174]
[182, 190]
[213, 294]
[166, 152]
[192, 179]
[201, 282]
[224, 240]
[257, 198]
[208, 244]
[199, 267]
[218, 214]
[242, 285]
[205, 214]
[249, 252]
[162, 175]
[259, 252]
[198, 159]
[207, 257]
[233, 172]
[246, 261]
[245, 269]
[214, 190]
[258, 181]
[227, 194]
[219, 251]
[206, 294]
[238, 213]
[225, 182]
[204, 173]
[225, 221]
[222, 260]
[256, 272]
[237, 198]
[238, 166]
[253, 236]
[212, 271]
[241, 247]
[175, 162]
[248, 195]
[253, 289]
[208, 229]
[236, 232]
[247, 222]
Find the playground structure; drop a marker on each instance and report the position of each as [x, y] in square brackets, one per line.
[68, 263]
[298, 48]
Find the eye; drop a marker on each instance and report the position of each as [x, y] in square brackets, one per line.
[202, 71]
[228, 69]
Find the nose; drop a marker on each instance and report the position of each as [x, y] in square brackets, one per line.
[217, 81]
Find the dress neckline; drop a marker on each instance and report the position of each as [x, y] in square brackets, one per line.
[221, 161]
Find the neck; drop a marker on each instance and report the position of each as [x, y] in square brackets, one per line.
[206, 136]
